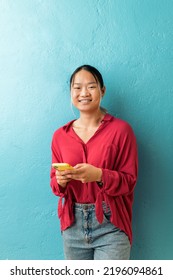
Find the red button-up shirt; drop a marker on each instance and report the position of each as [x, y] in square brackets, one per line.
[113, 149]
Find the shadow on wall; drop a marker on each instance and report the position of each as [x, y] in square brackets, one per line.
[151, 201]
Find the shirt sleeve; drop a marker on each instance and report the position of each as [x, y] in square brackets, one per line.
[56, 188]
[122, 179]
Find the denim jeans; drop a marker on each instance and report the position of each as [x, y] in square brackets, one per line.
[86, 239]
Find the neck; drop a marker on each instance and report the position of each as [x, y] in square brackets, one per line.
[91, 119]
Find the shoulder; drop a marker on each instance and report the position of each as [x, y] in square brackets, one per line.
[120, 125]
[62, 130]
[121, 130]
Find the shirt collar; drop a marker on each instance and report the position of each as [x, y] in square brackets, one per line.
[106, 118]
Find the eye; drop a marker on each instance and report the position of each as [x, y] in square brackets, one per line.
[76, 88]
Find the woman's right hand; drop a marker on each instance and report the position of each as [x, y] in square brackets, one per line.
[62, 180]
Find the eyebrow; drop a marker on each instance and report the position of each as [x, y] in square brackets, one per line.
[87, 83]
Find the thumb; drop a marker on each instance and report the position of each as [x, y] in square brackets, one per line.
[79, 165]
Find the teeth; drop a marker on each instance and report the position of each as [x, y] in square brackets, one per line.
[85, 101]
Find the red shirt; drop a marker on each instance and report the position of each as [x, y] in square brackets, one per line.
[112, 148]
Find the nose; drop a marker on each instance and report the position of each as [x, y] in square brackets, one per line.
[84, 91]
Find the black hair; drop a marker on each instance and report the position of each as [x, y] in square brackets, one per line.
[97, 75]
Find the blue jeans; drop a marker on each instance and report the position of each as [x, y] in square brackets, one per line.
[86, 239]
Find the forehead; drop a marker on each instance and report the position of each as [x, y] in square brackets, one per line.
[84, 76]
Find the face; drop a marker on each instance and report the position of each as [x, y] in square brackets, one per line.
[86, 93]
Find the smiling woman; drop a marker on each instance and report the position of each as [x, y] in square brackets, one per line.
[86, 95]
[98, 191]
[86, 89]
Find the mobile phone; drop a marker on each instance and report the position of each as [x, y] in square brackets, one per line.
[62, 166]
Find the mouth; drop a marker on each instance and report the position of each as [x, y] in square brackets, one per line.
[85, 101]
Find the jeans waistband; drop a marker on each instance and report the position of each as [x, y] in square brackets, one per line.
[89, 206]
[84, 206]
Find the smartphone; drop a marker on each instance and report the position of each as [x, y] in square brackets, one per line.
[62, 166]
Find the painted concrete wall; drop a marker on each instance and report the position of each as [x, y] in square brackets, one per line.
[41, 43]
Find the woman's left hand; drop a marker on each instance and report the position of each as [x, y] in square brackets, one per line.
[85, 173]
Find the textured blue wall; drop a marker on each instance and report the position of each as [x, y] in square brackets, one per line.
[41, 43]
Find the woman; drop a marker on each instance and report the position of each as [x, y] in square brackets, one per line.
[96, 196]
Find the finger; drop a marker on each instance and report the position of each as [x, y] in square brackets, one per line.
[61, 178]
[58, 172]
[62, 173]
[71, 173]
[76, 176]
[70, 176]
[63, 183]
[79, 165]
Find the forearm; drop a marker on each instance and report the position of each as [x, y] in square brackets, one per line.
[118, 183]
[57, 189]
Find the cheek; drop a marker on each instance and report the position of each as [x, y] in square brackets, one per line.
[74, 95]
[98, 98]
[74, 98]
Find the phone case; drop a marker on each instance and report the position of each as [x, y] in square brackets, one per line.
[62, 166]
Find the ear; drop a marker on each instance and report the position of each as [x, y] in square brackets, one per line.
[103, 90]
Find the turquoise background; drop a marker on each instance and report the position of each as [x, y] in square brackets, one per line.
[41, 43]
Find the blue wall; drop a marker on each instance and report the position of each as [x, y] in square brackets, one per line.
[41, 43]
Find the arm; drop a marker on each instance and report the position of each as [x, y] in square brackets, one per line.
[122, 180]
[58, 181]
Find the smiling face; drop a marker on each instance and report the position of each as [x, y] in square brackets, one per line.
[86, 92]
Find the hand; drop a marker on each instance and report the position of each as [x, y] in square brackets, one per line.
[62, 180]
[84, 172]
